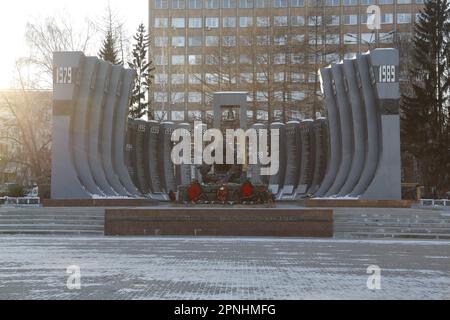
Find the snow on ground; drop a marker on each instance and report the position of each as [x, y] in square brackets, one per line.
[221, 268]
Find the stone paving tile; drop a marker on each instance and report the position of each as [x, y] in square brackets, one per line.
[221, 268]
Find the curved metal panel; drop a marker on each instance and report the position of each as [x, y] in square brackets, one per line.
[184, 171]
[307, 157]
[65, 181]
[107, 138]
[154, 157]
[320, 128]
[130, 150]
[254, 170]
[95, 115]
[167, 167]
[276, 182]
[120, 124]
[141, 149]
[335, 152]
[346, 124]
[293, 152]
[80, 131]
[373, 129]
[359, 128]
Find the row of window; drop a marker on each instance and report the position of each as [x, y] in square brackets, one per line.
[245, 78]
[249, 4]
[278, 21]
[260, 59]
[280, 40]
[196, 97]
[261, 115]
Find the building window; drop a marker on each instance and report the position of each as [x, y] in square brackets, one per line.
[195, 78]
[367, 2]
[350, 38]
[212, 22]
[178, 23]
[280, 40]
[161, 115]
[195, 59]
[177, 59]
[386, 37]
[212, 41]
[177, 115]
[263, 40]
[229, 41]
[245, 22]
[387, 18]
[161, 78]
[195, 41]
[177, 78]
[195, 4]
[279, 58]
[195, 97]
[280, 3]
[212, 4]
[263, 21]
[245, 41]
[211, 59]
[403, 18]
[350, 19]
[246, 4]
[297, 21]
[161, 42]
[178, 4]
[403, 1]
[212, 78]
[195, 23]
[161, 96]
[298, 77]
[245, 59]
[335, 20]
[350, 2]
[161, 22]
[229, 22]
[161, 4]
[297, 3]
[298, 38]
[333, 39]
[178, 42]
[281, 21]
[262, 3]
[367, 38]
[262, 58]
[385, 1]
[297, 58]
[160, 60]
[228, 4]
[178, 97]
[279, 76]
[315, 38]
[332, 3]
[314, 21]
[247, 77]
[298, 95]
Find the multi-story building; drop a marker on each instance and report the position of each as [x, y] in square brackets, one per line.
[269, 48]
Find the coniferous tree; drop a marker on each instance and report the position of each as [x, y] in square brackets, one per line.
[425, 109]
[109, 52]
[144, 75]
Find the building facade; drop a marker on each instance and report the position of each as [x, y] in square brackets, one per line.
[270, 48]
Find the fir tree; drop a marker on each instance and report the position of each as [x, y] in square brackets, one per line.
[144, 75]
[425, 116]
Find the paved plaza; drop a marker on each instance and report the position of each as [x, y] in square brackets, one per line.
[219, 268]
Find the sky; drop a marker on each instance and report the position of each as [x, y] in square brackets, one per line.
[14, 15]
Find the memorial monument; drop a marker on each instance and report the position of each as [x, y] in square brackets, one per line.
[353, 153]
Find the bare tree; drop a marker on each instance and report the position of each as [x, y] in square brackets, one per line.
[27, 114]
[49, 35]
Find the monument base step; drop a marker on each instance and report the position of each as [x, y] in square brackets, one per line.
[349, 203]
[49, 203]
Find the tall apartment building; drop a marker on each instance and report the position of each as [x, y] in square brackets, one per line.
[269, 48]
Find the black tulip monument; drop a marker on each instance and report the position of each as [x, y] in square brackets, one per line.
[98, 152]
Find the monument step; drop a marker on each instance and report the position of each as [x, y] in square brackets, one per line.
[372, 235]
[51, 232]
[51, 221]
[395, 230]
[50, 226]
